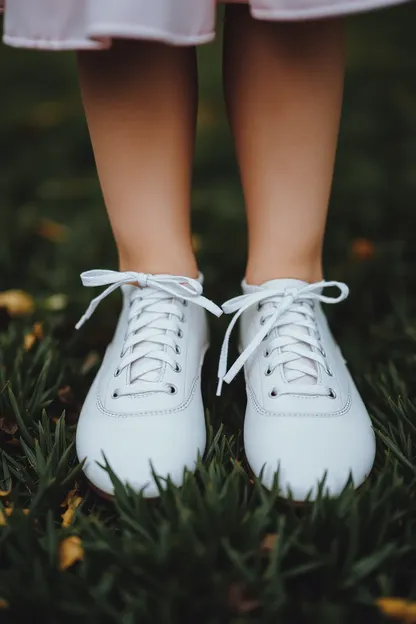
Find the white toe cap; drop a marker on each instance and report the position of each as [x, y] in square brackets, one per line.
[169, 442]
[305, 448]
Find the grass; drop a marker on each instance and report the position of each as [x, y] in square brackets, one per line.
[221, 549]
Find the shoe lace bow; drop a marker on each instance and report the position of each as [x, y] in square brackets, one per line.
[296, 341]
[153, 323]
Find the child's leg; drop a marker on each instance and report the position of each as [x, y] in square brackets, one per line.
[140, 99]
[283, 84]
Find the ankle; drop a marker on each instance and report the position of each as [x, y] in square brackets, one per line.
[256, 275]
[157, 265]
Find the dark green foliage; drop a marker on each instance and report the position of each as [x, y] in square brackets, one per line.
[198, 554]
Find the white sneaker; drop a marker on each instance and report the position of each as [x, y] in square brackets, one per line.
[145, 407]
[304, 415]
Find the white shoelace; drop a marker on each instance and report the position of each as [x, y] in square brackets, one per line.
[297, 348]
[153, 325]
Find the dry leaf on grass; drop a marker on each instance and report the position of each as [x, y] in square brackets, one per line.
[3, 604]
[8, 425]
[4, 493]
[239, 600]
[268, 542]
[7, 513]
[65, 395]
[70, 551]
[398, 608]
[17, 302]
[71, 503]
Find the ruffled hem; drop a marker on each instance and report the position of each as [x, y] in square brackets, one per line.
[93, 24]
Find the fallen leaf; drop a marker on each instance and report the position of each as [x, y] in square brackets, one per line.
[65, 394]
[17, 302]
[71, 503]
[7, 513]
[239, 600]
[268, 542]
[4, 493]
[362, 249]
[38, 330]
[52, 231]
[35, 334]
[55, 303]
[8, 425]
[3, 604]
[28, 341]
[398, 608]
[70, 551]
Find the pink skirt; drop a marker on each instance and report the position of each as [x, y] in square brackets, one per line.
[92, 24]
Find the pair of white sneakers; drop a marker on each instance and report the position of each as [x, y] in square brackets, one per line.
[144, 412]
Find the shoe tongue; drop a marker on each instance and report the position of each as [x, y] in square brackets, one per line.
[138, 366]
[285, 285]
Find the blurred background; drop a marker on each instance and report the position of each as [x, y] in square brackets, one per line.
[53, 222]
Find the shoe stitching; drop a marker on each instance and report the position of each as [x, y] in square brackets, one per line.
[265, 412]
[180, 407]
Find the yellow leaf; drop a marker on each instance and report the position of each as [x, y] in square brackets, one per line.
[71, 502]
[7, 513]
[398, 608]
[29, 341]
[17, 302]
[70, 551]
[38, 330]
[36, 334]
[3, 604]
[4, 493]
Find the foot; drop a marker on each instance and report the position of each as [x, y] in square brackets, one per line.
[145, 408]
[305, 417]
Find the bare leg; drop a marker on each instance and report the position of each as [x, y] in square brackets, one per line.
[140, 99]
[283, 85]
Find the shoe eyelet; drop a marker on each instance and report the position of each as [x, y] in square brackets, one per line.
[179, 333]
[329, 372]
[262, 320]
[185, 303]
[259, 306]
[177, 368]
[177, 349]
[182, 319]
[268, 372]
[332, 394]
[172, 389]
[273, 393]
[265, 337]
[115, 394]
[266, 353]
[117, 372]
[322, 352]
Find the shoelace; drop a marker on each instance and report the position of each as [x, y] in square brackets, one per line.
[153, 323]
[291, 309]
